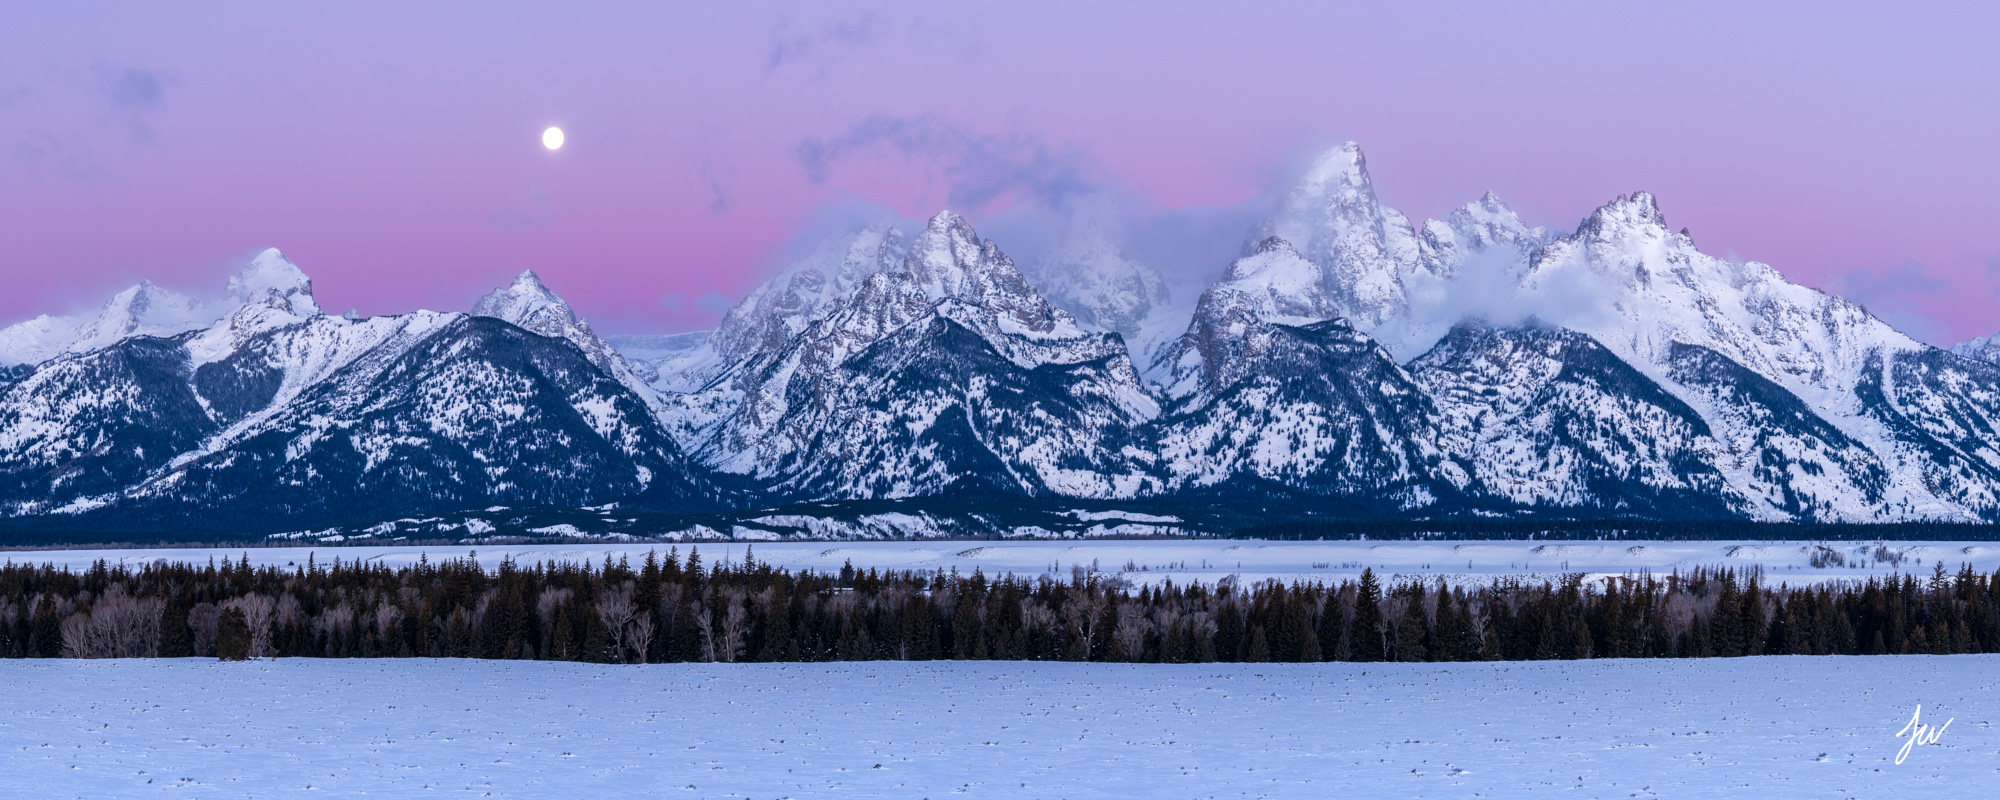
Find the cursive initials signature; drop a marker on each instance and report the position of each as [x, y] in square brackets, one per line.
[1919, 733]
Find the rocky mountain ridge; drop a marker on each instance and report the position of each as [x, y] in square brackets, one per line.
[1350, 362]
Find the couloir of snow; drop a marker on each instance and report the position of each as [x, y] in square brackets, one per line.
[1791, 726]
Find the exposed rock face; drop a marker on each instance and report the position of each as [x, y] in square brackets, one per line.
[946, 374]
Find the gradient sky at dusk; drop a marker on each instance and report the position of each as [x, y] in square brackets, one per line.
[393, 149]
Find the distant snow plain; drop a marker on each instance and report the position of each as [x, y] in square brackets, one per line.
[1184, 561]
[1822, 727]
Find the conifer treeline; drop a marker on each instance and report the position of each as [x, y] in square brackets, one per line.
[672, 609]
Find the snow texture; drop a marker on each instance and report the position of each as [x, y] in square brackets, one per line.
[1793, 726]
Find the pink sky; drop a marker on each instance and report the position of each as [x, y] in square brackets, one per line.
[395, 154]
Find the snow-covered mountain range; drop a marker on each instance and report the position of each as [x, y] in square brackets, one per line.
[281, 413]
[1351, 361]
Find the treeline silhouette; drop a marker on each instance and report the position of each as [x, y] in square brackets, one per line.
[670, 609]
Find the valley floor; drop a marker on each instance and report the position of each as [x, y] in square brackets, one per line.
[1776, 727]
[1183, 561]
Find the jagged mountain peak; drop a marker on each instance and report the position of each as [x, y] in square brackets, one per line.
[1335, 190]
[1274, 285]
[1272, 244]
[1984, 348]
[1087, 274]
[1638, 210]
[805, 290]
[1369, 251]
[1341, 170]
[269, 290]
[1488, 221]
[271, 279]
[529, 281]
[529, 303]
[949, 261]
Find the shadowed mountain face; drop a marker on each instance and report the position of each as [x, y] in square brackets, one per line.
[1312, 411]
[97, 423]
[479, 412]
[1550, 418]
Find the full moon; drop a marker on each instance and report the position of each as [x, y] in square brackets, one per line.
[552, 138]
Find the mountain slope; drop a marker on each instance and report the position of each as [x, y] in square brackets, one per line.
[1318, 410]
[476, 412]
[95, 423]
[1551, 420]
[949, 370]
[1659, 294]
[283, 413]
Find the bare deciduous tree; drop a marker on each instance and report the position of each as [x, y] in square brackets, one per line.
[117, 626]
[1130, 633]
[617, 611]
[735, 628]
[260, 611]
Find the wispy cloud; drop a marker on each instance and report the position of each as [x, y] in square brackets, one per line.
[795, 40]
[135, 95]
[713, 301]
[70, 154]
[976, 169]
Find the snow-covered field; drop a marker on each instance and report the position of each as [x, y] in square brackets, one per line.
[1207, 560]
[1776, 727]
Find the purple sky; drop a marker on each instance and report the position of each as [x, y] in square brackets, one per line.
[395, 154]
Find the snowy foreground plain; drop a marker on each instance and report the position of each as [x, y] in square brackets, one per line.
[1819, 727]
[1145, 562]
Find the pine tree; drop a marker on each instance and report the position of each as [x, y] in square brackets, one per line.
[45, 635]
[232, 636]
[1471, 645]
[1365, 631]
[1259, 650]
[778, 644]
[175, 640]
[1445, 634]
[1333, 643]
[1229, 637]
[1410, 631]
[965, 633]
